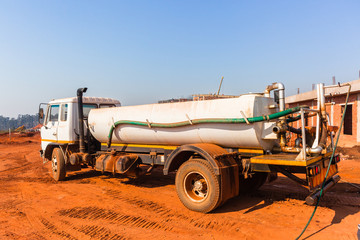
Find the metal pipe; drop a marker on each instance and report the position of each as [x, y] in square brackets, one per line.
[298, 150]
[312, 198]
[322, 101]
[315, 150]
[331, 133]
[276, 129]
[337, 85]
[303, 132]
[222, 78]
[291, 149]
[80, 92]
[316, 141]
[279, 86]
[312, 110]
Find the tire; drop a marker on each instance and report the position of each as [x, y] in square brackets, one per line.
[58, 165]
[252, 183]
[197, 186]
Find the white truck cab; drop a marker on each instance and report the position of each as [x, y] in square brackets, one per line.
[60, 125]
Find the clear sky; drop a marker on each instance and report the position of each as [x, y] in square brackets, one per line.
[144, 51]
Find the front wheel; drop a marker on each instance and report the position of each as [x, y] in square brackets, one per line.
[58, 165]
[197, 186]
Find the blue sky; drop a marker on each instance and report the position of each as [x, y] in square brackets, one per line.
[144, 51]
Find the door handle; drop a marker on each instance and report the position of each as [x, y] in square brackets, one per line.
[54, 133]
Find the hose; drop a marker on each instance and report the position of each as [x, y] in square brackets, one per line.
[203, 120]
[298, 117]
[331, 159]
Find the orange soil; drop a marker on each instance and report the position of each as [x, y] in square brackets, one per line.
[89, 205]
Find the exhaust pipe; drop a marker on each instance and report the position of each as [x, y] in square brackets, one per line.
[80, 92]
[280, 87]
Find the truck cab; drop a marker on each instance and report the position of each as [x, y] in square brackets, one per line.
[60, 121]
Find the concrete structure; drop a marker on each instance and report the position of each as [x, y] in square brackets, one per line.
[197, 97]
[335, 101]
[201, 97]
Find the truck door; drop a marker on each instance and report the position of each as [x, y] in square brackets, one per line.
[63, 130]
[49, 131]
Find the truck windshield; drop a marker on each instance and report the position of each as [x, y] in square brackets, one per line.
[87, 108]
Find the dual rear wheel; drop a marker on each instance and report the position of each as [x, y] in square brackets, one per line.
[198, 188]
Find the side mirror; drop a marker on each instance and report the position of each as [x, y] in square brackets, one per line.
[41, 114]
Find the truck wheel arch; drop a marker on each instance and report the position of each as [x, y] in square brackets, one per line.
[49, 150]
[183, 153]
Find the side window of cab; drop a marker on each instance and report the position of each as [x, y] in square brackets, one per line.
[53, 114]
[64, 112]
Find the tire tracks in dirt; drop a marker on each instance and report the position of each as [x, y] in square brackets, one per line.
[170, 215]
[96, 213]
[101, 233]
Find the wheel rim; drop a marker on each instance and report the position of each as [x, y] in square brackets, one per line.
[196, 186]
[54, 164]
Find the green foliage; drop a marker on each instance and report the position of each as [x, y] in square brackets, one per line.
[29, 121]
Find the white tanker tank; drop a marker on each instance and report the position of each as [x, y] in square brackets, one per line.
[224, 122]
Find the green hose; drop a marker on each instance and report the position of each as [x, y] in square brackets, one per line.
[203, 120]
[331, 159]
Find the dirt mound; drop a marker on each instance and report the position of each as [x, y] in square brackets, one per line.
[349, 152]
[20, 138]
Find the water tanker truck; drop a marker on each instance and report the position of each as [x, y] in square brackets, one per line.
[218, 148]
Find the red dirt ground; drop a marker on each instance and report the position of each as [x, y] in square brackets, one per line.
[89, 205]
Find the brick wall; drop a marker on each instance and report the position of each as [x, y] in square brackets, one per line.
[334, 109]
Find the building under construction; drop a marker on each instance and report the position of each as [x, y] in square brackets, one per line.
[335, 105]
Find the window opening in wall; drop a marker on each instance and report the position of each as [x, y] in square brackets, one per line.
[347, 120]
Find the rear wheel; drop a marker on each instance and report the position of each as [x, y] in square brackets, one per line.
[58, 165]
[197, 186]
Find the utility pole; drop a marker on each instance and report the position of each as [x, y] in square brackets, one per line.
[222, 78]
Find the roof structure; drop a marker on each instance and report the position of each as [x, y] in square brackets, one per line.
[87, 100]
[332, 90]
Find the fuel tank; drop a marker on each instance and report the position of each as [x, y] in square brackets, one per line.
[232, 135]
